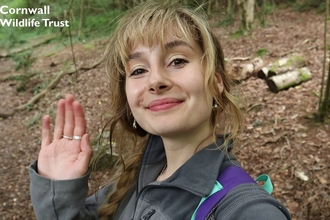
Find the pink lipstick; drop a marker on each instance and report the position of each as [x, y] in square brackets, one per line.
[163, 104]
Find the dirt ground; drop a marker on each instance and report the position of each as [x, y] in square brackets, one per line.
[280, 137]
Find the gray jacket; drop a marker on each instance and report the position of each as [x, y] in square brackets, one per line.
[175, 198]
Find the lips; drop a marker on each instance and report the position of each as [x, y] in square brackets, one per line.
[163, 104]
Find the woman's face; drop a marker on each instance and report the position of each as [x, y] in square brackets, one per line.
[165, 88]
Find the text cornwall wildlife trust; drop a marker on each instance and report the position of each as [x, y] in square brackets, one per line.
[28, 22]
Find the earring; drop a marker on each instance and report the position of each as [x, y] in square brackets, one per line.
[215, 106]
[134, 124]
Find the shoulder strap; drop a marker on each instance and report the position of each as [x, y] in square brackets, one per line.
[229, 178]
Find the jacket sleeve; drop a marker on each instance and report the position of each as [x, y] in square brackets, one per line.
[62, 199]
[250, 202]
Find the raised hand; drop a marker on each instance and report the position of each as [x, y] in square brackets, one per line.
[67, 156]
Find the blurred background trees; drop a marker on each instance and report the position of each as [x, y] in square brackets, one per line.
[93, 17]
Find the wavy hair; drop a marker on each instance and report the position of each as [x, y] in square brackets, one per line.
[149, 24]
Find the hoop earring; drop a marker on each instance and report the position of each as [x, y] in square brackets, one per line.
[134, 124]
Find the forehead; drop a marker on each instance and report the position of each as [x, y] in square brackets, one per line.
[158, 31]
[167, 43]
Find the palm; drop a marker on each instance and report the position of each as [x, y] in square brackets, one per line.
[63, 158]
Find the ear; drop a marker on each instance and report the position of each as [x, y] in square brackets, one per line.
[219, 82]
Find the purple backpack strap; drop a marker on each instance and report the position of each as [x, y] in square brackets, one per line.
[229, 178]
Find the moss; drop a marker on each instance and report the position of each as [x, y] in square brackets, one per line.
[295, 59]
[299, 61]
[304, 75]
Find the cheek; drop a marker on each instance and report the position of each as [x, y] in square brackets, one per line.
[133, 93]
[197, 87]
[129, 95]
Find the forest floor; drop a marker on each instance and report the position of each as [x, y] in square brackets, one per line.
[280, 137]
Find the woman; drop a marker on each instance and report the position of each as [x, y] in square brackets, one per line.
[169, 90]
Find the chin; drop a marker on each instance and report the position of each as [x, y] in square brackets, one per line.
[170, 132]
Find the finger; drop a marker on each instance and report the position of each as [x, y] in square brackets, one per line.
[69, 116]
[79, 119]
[59, 121]
[45, 131]
[85, 154]
[86, 148]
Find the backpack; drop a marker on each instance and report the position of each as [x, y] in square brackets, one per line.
[228, 179]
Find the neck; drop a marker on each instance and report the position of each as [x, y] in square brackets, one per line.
[182, 147]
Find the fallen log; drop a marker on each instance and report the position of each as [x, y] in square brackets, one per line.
[291, 78]
[241, 72]
[282, 66]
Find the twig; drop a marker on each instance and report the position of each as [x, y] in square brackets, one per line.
[275, 139]
[254, 106]
[288, 52]
[285, 146]
[312, 47]
[240, 59]
[71, 45]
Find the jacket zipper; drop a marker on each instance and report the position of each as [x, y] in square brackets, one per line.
[148, 215]
[144, 189]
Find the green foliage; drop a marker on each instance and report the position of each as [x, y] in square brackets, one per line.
[263, 8]
[238, 34]
[23, 60]
[9, 38]
[14, 4]
[39, 87]
[268, 7]
[227, 21]
[100, 23]
[261, 52]
[34, 121]
[306, 5]
[94, 20]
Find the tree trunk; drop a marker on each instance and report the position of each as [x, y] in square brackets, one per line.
[282, 66]
[293, 78]
[323, 102]
[246, 9]
[229, 7]
[81, 16]
[326, 100]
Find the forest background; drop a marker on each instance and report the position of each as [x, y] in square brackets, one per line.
[283, 137]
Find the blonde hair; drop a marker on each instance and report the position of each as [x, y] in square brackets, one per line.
[148, 24]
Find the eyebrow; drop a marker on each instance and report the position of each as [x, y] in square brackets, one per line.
[177, 43]
[134, 55]
[168, 46]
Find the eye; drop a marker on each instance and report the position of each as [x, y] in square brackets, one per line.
[179, 62]
[137, 72]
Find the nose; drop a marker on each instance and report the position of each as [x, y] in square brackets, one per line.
[159, 81]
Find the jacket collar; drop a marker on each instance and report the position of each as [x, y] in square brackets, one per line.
[197, 175]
